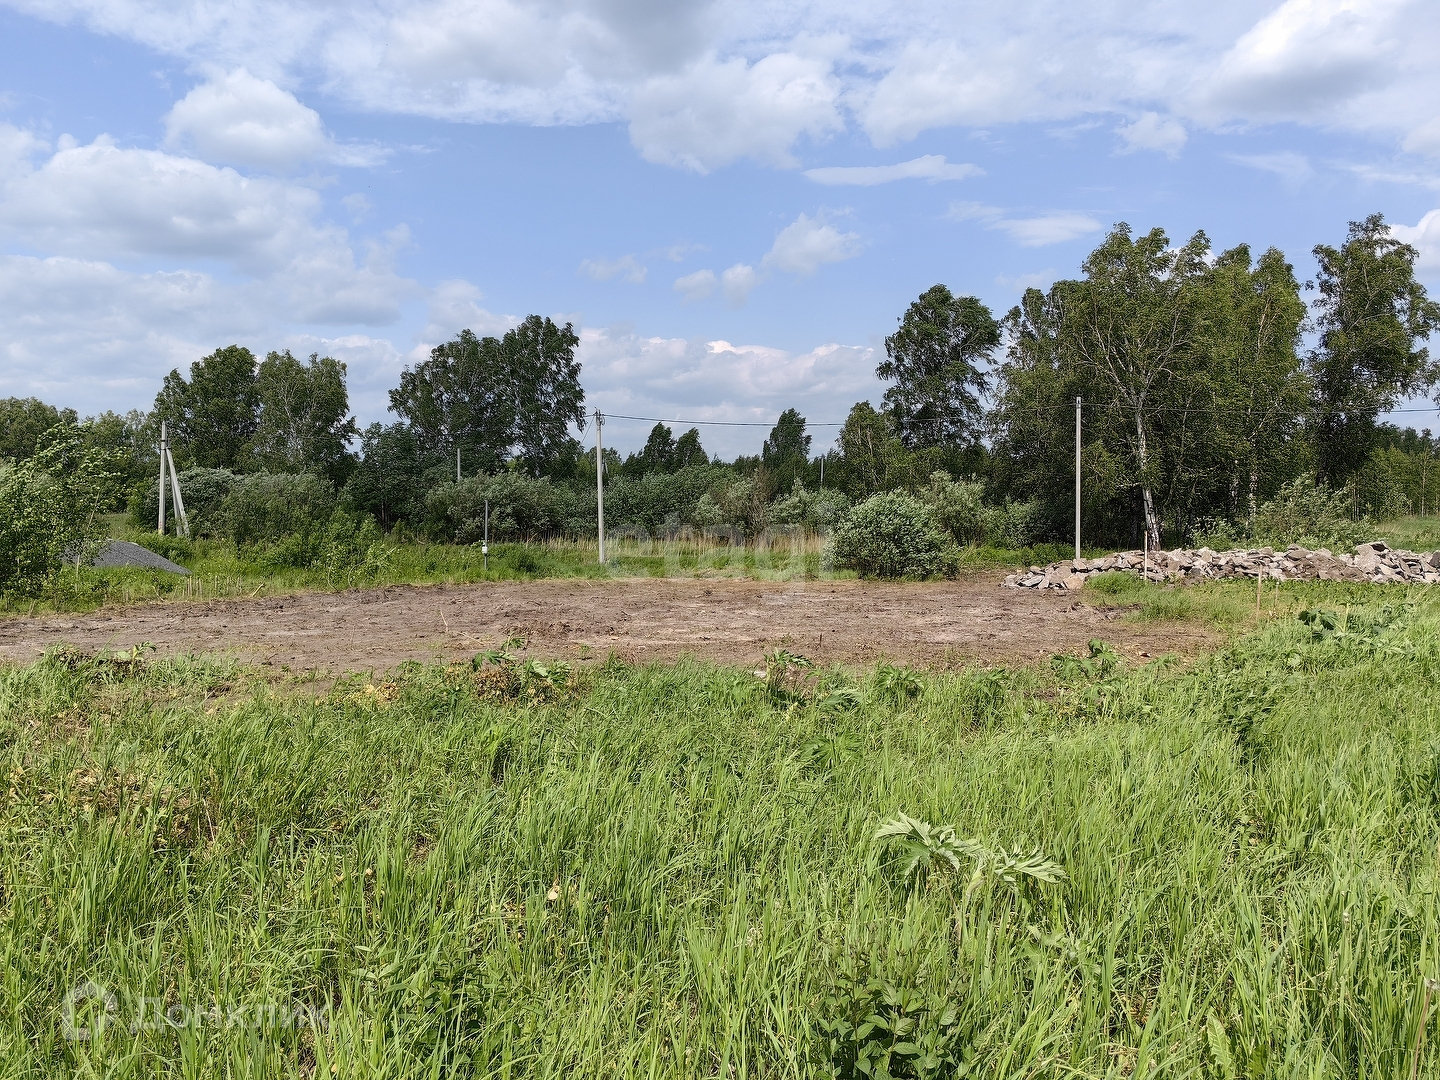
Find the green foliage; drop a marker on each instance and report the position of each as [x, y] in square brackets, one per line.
[872, 1029]
[1309, 514]
[928, 850]
[521, 508]
[204, 492]
[814, 511]
[303, 426]
[395, 472]
[935, 361]
[51, 507]
[213, 416]
[897, 685]
[23, 421]
[890, 536]
[273, 506]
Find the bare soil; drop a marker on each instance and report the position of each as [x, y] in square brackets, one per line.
[726, 621]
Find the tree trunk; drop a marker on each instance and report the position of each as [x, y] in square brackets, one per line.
[1147, 499]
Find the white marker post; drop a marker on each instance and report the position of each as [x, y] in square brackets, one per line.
[485, 543]
[600, 484]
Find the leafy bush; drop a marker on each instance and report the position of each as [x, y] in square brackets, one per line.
[892, 535]
[521, 508]
[204, 492]
[817, 511]
[1309, 514]
[957, 507]
[1015, 525]
[273, 506]
[50, 509]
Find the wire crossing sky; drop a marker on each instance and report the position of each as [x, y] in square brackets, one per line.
[733, 203]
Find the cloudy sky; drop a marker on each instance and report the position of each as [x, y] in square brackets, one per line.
[732, 201]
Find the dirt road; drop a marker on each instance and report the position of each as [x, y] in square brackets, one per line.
[641, 619]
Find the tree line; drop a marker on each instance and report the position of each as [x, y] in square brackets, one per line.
[1208, 384]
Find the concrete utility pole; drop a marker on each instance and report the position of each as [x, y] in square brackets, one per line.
[457, 463]
[164, 449]
[600, 483]
[1077, 478]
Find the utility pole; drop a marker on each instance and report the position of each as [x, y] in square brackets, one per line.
[164, 449]
[600, 483]
[457, 463]
[1077, 478]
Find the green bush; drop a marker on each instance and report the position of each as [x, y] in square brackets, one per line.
[1310, 514]
[273, 506]
[521, 508]
[204, 492]
[957, 507]
[817, 511]
[51, 508]
[892, 535]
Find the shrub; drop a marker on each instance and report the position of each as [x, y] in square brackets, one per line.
[1015, 525]
[50, 509]
[817, 511]
[273, 506]
[892, 535]
[520, 508]
[204, 492]
[1309, 514]
[957, 508]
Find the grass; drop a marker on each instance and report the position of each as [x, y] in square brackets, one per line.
[672, 871]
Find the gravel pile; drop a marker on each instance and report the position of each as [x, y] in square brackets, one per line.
[124, 553]
[1375, 562]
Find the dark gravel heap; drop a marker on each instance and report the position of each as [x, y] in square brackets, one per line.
[124, 553]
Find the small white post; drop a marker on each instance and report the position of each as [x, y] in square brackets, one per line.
[485, 543]
[164, 449]
[600, 483]
[1077, 478]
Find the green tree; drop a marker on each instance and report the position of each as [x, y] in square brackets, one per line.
[22, 423]
[213, 416]
[394, 473]
[303, 425]
[688, 450]
[873, 459]
[497, 398]
[786, 453]
[658, 454]
[1371, 315]
[933, 361]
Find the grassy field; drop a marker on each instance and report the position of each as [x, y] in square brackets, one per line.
[1225, 871]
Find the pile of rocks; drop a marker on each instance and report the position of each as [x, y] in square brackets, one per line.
[1377, 562]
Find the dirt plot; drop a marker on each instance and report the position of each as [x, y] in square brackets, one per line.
[727, 621]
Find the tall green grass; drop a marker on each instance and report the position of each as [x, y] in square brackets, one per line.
[672, 871]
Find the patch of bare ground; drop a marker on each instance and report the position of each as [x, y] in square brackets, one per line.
[972, 620]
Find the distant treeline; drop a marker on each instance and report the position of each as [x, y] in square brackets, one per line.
[1208, 381]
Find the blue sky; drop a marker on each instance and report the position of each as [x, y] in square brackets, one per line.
[732, 202]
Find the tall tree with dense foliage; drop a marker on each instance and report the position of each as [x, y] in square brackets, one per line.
[934, 361]
[213, 416]
[22, 423]
[494, 398]
[303, 426]
[872, 456]
[1372, 316]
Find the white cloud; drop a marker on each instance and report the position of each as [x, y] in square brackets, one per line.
[716, 112]
[1425, 237]
[1040, 279]
[1151, 131]
[931, 167]
[738, 282]
[1052, 228]
[1424, 139]
[696, 286]
[1294, 169]
[698, 379]
[807, 244]
[627, 267]
[703, 83]
[240, 119]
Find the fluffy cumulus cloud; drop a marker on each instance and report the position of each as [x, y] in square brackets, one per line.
[715, 112]
[1425, 237]
[702, 83]
[244, 120]
[695, 379]
[122, 255]
[807, 244]
[1036, 230]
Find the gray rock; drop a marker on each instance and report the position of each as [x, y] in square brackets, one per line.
[117, 553]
